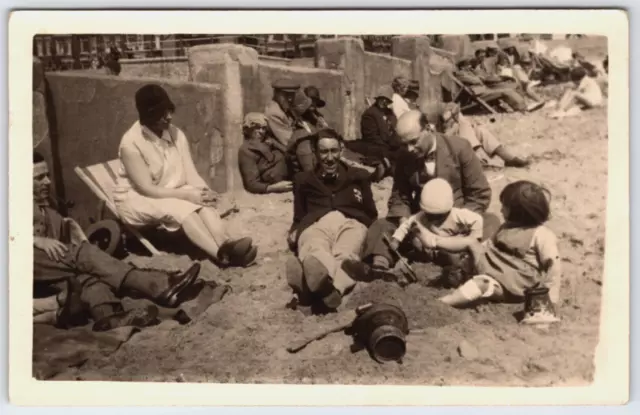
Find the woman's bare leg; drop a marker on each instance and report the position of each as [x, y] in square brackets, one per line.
[214, 224]
[198, 233]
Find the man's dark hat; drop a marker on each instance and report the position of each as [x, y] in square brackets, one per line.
[301, 102]
[286, 85]
[153, 99]
[313, 93]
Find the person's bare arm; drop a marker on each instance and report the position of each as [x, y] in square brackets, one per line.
[193, 177]
[455, 243]
[140, 178]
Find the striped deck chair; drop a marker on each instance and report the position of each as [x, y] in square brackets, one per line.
[101, 179]
[467, 98]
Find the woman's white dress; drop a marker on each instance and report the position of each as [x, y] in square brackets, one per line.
[167, 158]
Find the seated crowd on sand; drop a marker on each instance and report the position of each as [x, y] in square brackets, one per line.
[437, 210]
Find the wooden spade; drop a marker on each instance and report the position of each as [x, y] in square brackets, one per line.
[345, 320]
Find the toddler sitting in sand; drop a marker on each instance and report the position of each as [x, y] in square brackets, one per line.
[439, 225]
[523, 254]
[586, 94]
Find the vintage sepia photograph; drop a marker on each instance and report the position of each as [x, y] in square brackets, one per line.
[309, 208]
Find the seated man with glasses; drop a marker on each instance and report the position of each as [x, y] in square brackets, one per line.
[427, 155]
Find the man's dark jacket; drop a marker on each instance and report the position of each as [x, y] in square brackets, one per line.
[378, 126]
[350, 194]
[456, 162]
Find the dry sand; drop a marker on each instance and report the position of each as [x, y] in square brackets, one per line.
[243, 338]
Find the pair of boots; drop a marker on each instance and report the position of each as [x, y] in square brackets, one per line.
[311, 282]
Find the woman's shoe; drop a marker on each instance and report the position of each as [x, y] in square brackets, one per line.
[239, 252]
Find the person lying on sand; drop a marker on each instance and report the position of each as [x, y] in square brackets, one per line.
[522, 254]
[447, 119]
[490, 87]
[63, 259]
[585, 94]
[333, 205]
[515, 71]
[262, 158]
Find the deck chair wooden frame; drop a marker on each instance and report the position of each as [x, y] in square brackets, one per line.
[463, 89]
[101, 179]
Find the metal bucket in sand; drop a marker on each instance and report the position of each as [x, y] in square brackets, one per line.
[382, 328]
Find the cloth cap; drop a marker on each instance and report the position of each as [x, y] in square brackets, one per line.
[153, 99]
[385, 91]
[313, 93]
[436, 197]
[254, 119]
[285, 85]
[400, 81]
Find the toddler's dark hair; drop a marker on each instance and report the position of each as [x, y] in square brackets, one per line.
[578, 73]
[528, 203]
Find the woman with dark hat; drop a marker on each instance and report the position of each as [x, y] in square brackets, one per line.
[158, 184]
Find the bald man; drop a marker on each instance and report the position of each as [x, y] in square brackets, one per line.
[427, 155]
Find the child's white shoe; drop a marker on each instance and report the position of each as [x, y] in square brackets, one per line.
[541, 317]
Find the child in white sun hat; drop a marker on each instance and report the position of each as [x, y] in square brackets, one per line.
[439, 225]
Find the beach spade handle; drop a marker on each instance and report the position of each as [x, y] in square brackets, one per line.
[404, 262]
[347, 319]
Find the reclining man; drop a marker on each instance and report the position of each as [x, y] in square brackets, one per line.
[447, 119]
[487, 86]
[62, 256]
[333, 206]
[428, 155]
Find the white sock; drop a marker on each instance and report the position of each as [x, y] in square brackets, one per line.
[470, 290]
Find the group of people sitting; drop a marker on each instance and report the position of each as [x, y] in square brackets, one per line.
[437, 208]
[508, 74]
[278, 142]
[437, 213]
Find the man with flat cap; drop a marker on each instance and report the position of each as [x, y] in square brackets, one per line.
[278, 111]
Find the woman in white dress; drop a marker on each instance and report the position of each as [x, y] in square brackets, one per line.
[159, 185]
